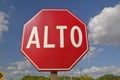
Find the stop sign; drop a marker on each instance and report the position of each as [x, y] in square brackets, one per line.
[54, 40]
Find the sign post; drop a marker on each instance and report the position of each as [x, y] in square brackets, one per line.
[53, 75]
[54, 40]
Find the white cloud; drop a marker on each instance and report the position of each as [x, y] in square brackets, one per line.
[99, 71]
[105, 27]
[27, 72]
[22, 65]
[117, 72]
[12, 7]
[93, 71]
[3, 24]
[11, 68]
[20, 68]
[18, 72]
[92, 52]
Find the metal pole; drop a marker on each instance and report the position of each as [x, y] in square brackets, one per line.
[53, 75]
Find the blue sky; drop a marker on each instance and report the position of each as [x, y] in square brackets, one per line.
[102, 18]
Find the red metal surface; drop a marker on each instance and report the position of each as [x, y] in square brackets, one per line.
[57, 58]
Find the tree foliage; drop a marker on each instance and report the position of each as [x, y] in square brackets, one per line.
[86, 77]
[109, 77]
[83, 77]
[29, 77]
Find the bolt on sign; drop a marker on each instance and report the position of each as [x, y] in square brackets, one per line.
[54, 40]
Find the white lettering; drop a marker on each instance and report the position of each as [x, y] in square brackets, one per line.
[34, 37]
[61, 28]
[46, 45]
[34, 34]
[72, 36]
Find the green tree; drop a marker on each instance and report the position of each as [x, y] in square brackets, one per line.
[29, 77]
[109, 77]
[64, 78]
[86, 77]
[11, 78]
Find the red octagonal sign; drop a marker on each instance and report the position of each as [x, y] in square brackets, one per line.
[54, 40]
